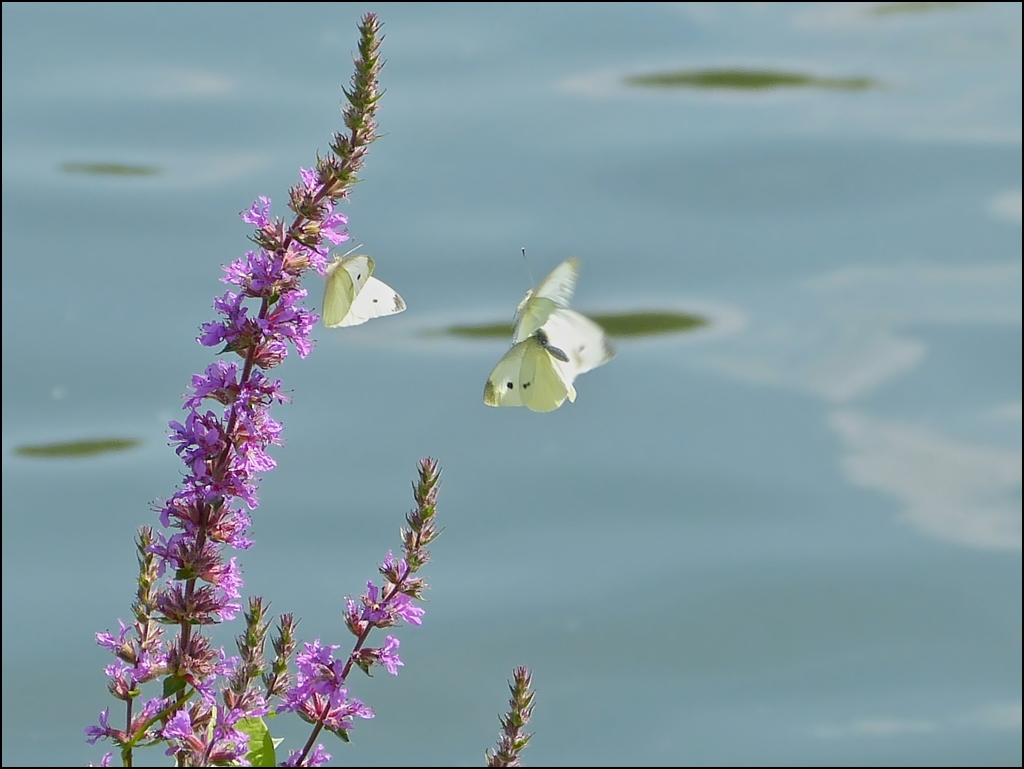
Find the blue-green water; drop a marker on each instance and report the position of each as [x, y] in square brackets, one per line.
[791, 536]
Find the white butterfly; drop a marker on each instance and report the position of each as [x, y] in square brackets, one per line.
[353, 296]
[553, 292]
[552, 345]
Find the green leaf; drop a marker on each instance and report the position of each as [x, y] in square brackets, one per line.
[342, 734]
[173, 685]
[261, 744]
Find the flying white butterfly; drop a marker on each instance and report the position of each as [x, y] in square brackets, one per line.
[554, 292]
[551, 346]
[353, 296]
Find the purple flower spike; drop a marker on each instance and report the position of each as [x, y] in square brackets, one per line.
[209, 703]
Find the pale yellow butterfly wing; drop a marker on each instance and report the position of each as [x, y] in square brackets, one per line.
[528, 375]
[554, 292]
[345, 279]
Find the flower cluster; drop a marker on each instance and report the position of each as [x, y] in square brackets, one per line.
[210, 708]
[210, 701]
[320, 695]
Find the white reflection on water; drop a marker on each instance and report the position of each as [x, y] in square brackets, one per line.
[128, 84]
[177, 170]
[954, 490]
[837, 366]
[1007, 206]
[844, 335]
[1000, 717]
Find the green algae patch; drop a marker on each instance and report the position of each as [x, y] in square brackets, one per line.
[109, 169]
[621, 324]
[86, 448]
[745, 80]
[891, 9]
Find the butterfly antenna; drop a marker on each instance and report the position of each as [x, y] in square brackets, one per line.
[350, 251]
[528, 270]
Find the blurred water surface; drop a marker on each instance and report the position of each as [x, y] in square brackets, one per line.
[790, 536]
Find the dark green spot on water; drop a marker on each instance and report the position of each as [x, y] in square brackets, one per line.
[745, 80]
[623, 324]
[86, 448]
[109, 169]
[888, 9]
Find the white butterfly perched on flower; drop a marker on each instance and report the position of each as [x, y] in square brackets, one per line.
[353, 296]
[551, 346]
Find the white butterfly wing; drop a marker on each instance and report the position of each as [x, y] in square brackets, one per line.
[560, 283]
[583, 342]
[528, 376]
[554, 292]
[375, 300]
[360, 267]
[345, 278]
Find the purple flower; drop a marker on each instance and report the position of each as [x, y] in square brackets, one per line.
[310, 180]
[258, 214]
[333, 228]
[318, 757]
[402, 606]
[320, 695]
[219, 382]
[388, 656]
[189, 733]
[230, 330]
[374, 611]
[118, 646]
[103, 730]
[179, 726]
[318, 673]
[386, 612]
[94, 733]
[332, 225]
[396, 571]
